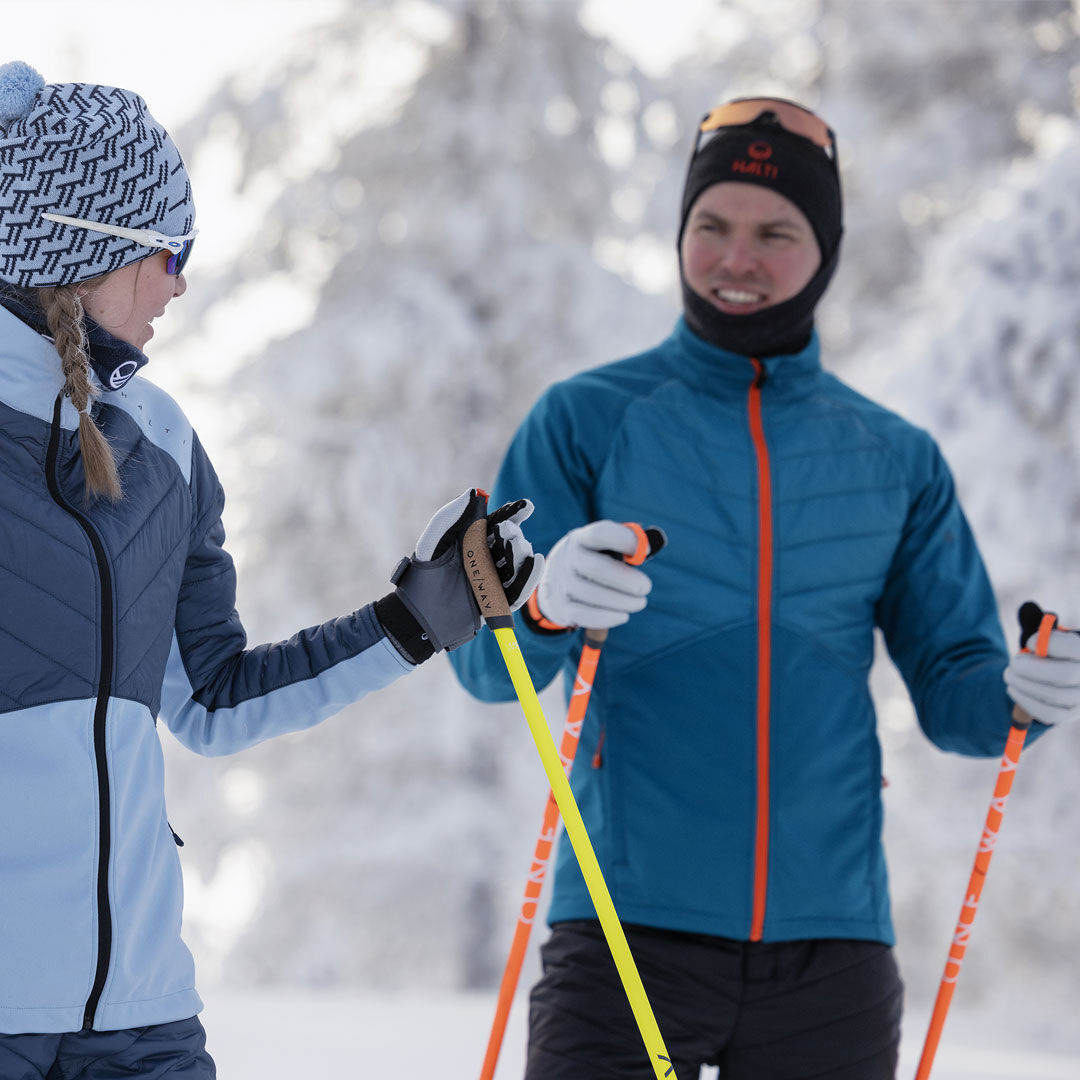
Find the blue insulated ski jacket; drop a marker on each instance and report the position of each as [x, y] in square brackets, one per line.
[729, 771]
[111, 615]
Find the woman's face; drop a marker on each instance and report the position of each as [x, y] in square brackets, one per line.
[127, 301]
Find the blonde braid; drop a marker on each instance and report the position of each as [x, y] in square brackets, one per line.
[64, 314]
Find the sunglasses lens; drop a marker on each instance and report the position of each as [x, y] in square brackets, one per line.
[176, 263]
[790, 116]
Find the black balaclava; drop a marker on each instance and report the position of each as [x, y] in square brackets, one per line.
[765, 153]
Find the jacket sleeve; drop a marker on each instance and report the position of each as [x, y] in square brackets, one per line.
[552, 460]
[940, 621]
[219, 696]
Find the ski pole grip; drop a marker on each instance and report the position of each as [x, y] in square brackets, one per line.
[649, 542]
[484, 578]
[1034, 623]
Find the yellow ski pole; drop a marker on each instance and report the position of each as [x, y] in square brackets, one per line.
[496, 612]
[650, 541]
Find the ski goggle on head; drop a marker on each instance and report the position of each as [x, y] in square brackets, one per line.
[179, 247]
[777, 112]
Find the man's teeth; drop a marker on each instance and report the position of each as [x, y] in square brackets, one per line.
[737, 296]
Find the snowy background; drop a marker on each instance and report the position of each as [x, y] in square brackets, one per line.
[414, 216]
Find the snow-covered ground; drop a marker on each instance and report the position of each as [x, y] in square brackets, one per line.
[285, 1035]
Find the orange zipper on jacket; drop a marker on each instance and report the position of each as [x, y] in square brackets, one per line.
[764, 644]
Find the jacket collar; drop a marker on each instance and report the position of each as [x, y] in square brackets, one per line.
[30, 372]
[716, 370]
[112, 360]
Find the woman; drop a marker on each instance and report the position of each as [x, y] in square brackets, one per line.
[118, 595]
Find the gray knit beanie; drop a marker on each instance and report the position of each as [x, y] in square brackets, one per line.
[85, 151]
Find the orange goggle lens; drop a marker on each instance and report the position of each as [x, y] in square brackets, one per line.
[789, 116]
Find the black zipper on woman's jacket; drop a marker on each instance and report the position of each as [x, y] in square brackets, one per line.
[104, 692]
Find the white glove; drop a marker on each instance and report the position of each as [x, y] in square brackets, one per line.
[519, 569]
[583, 586]
[1048, 688]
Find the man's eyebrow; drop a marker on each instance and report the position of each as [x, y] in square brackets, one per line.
[772, 223]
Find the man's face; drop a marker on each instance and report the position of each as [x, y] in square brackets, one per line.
[746, 248]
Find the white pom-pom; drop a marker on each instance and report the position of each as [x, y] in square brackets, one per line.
[19, 86]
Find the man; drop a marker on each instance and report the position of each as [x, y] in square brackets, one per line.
[729, 771]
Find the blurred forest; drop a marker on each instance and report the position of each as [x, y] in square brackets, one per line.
[436, 210]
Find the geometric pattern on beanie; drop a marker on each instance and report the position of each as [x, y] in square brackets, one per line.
[92, 152]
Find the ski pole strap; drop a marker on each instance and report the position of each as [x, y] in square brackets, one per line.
[1042, 641]
[641, 552]
[537, 621]
[1035, 623]
[649, 541]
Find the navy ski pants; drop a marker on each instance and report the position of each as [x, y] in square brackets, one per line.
[176, 1051]
[827, 1010]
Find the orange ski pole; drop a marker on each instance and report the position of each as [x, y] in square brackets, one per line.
[1009, 762]
[650, 541]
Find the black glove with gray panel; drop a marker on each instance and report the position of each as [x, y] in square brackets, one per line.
[432, 607]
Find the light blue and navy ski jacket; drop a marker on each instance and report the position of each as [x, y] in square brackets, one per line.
[111, 615]
[729, 771]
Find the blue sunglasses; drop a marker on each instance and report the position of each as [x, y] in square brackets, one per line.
[179, 247]
[178, 260]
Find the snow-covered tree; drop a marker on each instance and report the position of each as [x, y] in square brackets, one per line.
[441, 209]
[449, 252]
[988, 363]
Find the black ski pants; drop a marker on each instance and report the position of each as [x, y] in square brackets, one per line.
[802, 1010]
